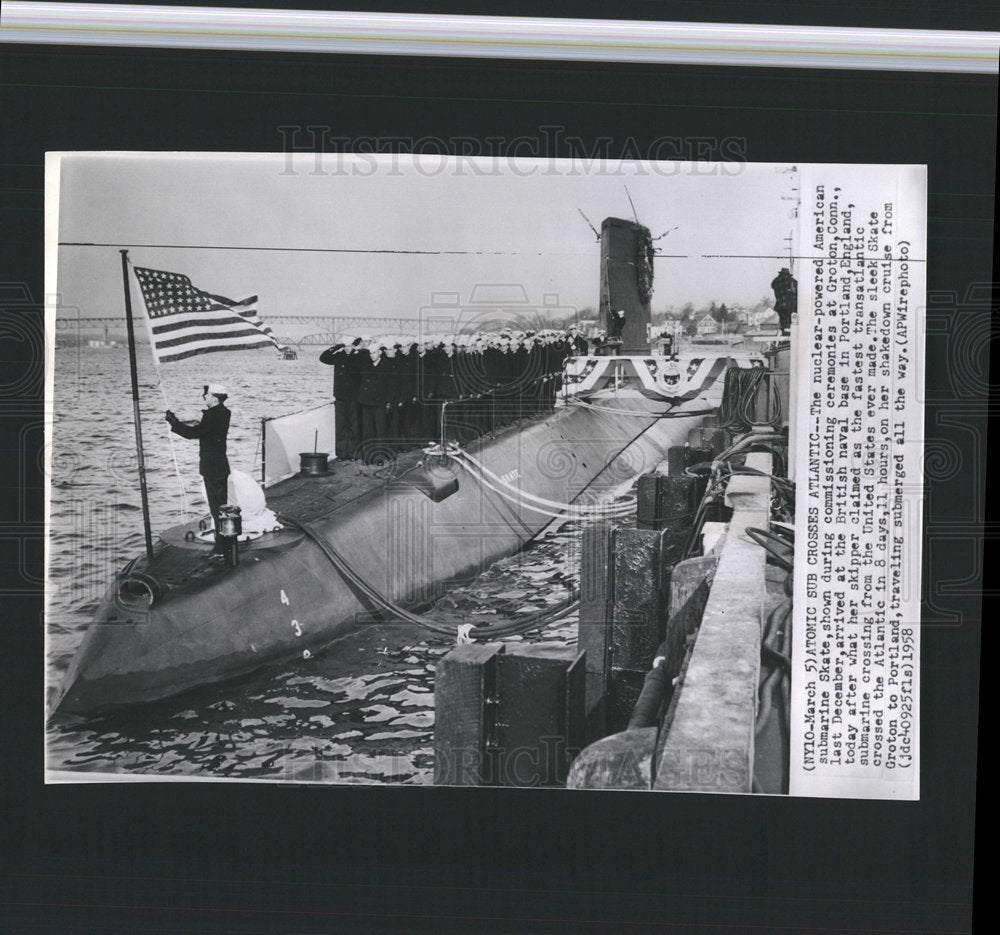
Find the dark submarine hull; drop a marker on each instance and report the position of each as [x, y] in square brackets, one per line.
[285, 600]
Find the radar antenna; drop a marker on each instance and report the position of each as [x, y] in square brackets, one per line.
[591, 226]
[634, 214]
[664, 234]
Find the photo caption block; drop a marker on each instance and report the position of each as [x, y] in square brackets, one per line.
[859, 465]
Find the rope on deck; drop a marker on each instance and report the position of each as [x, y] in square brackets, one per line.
[383, 603]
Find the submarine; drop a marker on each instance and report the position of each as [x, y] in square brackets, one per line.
[361, 547]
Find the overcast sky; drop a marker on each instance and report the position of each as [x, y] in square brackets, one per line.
[508, 223]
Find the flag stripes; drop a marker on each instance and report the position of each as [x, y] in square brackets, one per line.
[185, 321]
[223, 319]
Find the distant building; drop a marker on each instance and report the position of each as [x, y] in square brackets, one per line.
[706, 324]
[754, 318]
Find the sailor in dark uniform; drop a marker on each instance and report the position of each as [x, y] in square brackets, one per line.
[493, 365]
[373, 397]
[578, 343]
[345, 392]
[786, 289]
[467, 367]
[393, 376]
[534, 372]
[561, 352]
[521, 381]
[616, 322]
[409, 376]
[446, 391]
[425, 408]
[213, 464]
[478, 383]
[509, 379]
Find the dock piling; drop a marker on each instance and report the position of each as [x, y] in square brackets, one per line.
[508, 715]
[465, 685]
[593, 630]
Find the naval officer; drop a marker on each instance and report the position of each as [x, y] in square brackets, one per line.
[213, 464]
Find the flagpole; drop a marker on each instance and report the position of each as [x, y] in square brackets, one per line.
[166, 402]
[135, 407]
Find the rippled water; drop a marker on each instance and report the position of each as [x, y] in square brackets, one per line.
[362, 712]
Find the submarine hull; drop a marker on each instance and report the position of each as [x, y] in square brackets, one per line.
[194, 622]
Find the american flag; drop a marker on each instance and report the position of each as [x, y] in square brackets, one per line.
[185, 321]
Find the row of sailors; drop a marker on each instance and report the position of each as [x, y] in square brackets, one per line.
[397, 393]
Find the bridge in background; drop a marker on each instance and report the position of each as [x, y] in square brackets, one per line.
[333, 323]
[334, 327]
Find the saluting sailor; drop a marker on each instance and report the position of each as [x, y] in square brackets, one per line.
[213, 464]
